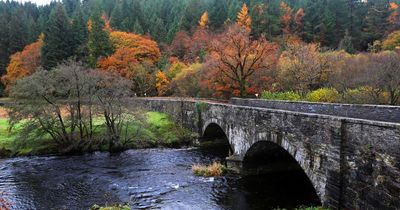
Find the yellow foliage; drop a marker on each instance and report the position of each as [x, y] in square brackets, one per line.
[328, 95]
[243, 18]
[204, 20]
[392, 41]
[162, 83]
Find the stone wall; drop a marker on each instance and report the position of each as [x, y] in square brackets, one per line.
[352, 163]
[369, 112]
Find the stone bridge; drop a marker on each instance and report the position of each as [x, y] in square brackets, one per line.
[350, 153]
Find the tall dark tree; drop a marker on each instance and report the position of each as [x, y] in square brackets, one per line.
[57, 38]
[98, 40]
[79, 34]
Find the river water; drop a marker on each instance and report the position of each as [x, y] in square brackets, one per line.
[146, 179]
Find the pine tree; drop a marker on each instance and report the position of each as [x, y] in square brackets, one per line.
[17, 32]
[117, 17]
[98, 40]
[218, 14]
[346, 43]
[4, 55]
[57, 38]
[79, 34]
[137, 28]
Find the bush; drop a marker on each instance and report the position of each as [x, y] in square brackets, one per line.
[289, 96]
[215, 169]
[329, 95]
[365, 95]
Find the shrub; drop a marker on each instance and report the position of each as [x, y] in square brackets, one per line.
[115, 207]
[288, 95]
[215, 169]
[324, 95]
[365, 95]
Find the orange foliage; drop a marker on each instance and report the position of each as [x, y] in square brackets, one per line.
[394, 16]
[286, 17]
[298, 19]
[120, 62]
[393, 6]
[131, 49]
[191, 49]
[107, 26]
[180, 45]
[23, 63]
[243, 18]
[144, 49]
[203, 20]
[162, 83]
[235, 58]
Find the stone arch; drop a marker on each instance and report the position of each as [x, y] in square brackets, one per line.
[214, 129]
[280, 159]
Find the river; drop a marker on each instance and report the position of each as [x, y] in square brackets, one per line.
[146, 179]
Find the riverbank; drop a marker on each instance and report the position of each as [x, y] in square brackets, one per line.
[145, 130]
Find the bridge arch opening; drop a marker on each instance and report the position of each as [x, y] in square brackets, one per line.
[216, 141]
[271, 172]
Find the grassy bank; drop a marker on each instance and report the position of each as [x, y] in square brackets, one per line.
[145, 130]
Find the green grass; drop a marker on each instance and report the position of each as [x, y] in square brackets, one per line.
[149, 129]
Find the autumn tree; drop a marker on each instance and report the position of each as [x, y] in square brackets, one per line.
[286, 18]
[302, 67]
[243, 18]
[298, 19]
[145, 49]
[384, 74]
[162, 83]
[187, 82]
[392, 41]
[237, 57]
[203, 22]
[23, 63]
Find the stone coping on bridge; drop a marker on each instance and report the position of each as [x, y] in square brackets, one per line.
[358, 111]
[380, 123]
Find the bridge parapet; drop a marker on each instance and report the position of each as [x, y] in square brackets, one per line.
[369, 112]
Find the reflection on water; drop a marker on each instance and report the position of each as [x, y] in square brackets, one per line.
[151, 178]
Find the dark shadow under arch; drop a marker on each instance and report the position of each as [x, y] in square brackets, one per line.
[267, 166]
[215, 140]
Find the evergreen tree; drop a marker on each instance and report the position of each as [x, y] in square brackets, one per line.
[79, 34]
[137, 28]
[17, 32]
[346, 43]
[57, 38]
[375, 21]
[117, 17]
[218, 14]
[98, 40]
[4, 54]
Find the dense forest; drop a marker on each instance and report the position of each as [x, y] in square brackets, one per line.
[187, 47]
